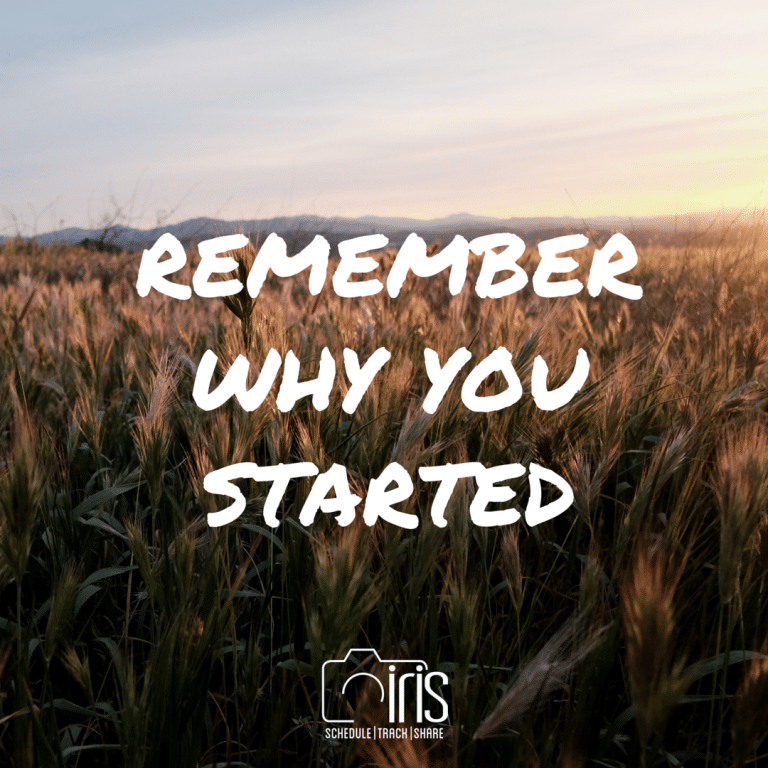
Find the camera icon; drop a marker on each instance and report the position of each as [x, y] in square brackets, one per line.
[400, 683]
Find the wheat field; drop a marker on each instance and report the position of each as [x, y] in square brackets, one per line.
[632, 630]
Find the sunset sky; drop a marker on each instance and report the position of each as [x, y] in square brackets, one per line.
[252, 109]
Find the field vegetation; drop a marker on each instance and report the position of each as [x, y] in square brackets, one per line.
[632, 630]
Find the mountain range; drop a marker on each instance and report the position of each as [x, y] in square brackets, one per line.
[299, 230]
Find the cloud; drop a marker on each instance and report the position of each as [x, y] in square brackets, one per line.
[345, 101]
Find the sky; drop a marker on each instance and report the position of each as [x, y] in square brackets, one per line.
[159, 112]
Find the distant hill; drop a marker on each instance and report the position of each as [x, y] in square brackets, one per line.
[299, 230]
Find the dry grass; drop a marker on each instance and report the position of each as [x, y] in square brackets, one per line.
[132, 634]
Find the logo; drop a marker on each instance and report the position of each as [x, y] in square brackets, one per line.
[403, 686]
